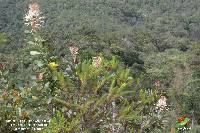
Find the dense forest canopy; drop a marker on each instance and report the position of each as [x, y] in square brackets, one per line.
[156, 40]
[169, 24]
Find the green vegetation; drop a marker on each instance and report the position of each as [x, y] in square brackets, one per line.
[101, 65]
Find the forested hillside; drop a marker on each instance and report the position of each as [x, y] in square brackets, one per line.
[108, 62]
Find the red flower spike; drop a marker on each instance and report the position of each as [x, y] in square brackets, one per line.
[39, 76]
[34, 7]
[96, 61]
[5, 95]
[2, 66]
[33, 18]
[15, 93]
[74, 51]
[157, 83]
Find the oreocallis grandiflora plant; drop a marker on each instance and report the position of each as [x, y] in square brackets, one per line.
[25, 96]
[77, 95]
[98, 96]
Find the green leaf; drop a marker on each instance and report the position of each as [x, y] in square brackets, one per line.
[31, 42]
[39, 63]
[35, 53]
[3, 38]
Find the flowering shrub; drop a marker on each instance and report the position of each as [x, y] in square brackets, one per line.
[33, 18]
[91, 94]
[74, 51]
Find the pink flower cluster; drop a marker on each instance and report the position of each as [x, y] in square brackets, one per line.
[33, 17]
[74, 51]
[157, 83]
[2, 66]
[96, 61]
[5, 94]
[162, 102]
